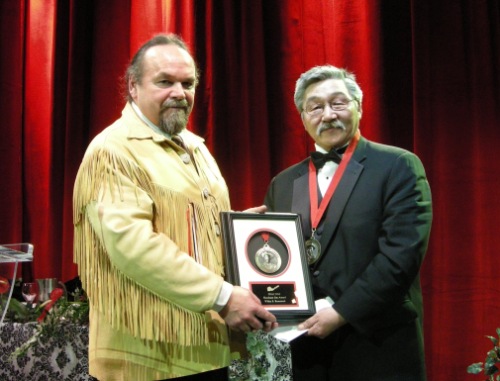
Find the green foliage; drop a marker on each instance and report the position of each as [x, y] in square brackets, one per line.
[257, 360]
[490, 365]
[18, 312]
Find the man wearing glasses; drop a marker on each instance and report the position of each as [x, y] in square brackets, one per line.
[366, 214]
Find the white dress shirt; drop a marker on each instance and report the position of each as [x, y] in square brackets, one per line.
[325, 174]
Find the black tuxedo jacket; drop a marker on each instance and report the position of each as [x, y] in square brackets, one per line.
[374, 234]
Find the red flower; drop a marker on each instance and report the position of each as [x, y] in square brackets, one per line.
[54, 297]
[4, 285]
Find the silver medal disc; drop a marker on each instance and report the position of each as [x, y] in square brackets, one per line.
[313, 250]
[267, 259]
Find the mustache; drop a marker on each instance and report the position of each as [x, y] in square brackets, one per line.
[329, 125]
[175, 104]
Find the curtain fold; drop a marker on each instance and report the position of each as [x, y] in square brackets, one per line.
[12, 30]
[231, 106]
[41, 218]
[429, 71]
[457, 133]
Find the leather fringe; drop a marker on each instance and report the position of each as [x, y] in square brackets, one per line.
[126, 304]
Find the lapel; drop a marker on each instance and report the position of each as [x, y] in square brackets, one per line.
[301, 200]
[342, 193]
[300, 196]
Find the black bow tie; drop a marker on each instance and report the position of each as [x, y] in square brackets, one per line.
[319, 159]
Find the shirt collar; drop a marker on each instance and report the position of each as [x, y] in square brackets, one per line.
[150, 124]
[322, 150]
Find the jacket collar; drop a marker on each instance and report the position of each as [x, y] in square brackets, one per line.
[140, 127]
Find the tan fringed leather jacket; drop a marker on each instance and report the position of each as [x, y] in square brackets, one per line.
[149, 251]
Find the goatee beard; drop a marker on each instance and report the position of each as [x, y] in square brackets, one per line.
[174, 122]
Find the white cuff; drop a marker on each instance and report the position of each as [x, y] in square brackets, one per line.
[223, 298]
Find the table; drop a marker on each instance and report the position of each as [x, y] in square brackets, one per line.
[56, 360]
[66, 358]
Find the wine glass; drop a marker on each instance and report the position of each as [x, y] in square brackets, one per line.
[29, 291]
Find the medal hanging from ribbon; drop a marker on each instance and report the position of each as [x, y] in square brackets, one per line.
[267, 259]
[313, 246]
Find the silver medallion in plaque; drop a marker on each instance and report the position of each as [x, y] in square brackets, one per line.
[267, 259]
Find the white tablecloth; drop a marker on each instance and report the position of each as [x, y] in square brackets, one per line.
[57, 360]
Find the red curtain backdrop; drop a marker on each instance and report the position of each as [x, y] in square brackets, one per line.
[429, 70]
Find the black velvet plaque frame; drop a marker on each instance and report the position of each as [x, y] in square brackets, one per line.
[265, 253]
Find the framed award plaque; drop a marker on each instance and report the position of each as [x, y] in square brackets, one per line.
[265, 253]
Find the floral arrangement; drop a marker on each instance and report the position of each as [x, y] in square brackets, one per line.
[490, 365]
[50, 315]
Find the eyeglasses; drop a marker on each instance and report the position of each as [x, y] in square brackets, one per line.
[317, 109]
